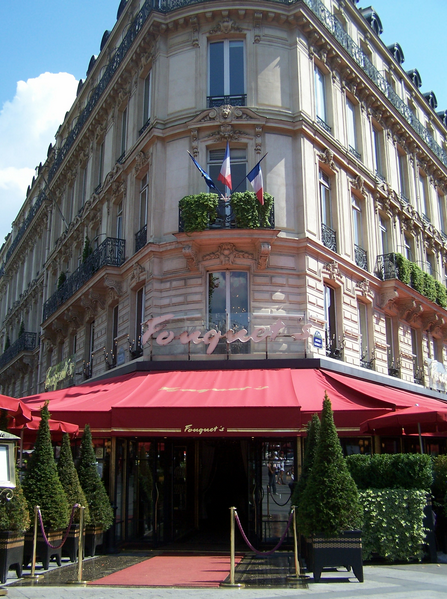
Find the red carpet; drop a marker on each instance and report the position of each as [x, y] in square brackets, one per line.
[173, 570]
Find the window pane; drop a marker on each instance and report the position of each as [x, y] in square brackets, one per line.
[236, 68]
[217, 298]
[320, 95]
[217, 69]
[350, 115]
[238, 300]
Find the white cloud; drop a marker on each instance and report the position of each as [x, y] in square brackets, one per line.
[28, 125]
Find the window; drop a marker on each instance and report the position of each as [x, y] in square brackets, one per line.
[403, 175]
[226, 73]
[423, 199]
[147, 100]
[377, 139]
[409, 247]
[228, 306]
[351, 128]
[441, 212]
[83, 194]
[431, 264]
[141, 236]
[320, 98]
[119, 221]
[384, 235]
[327, 228]
[100, 164]
[393, 359]
[123, 135]
[416, 348]
[334, 347]
[357, 222]
[137, 349]
[88, 366]
[365, 354]
[238, 161]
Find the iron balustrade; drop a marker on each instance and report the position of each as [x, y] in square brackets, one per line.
[387, 267]
[330, 22]
[334, 346]
[226, 218]
[234, 100]
[355, 153]
[328, 237]
[140, 239]
[144, 127]
[323, 124]
[361, 257]
[111, 252]
[26, 342]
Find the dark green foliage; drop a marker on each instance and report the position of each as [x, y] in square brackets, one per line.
[61, 280]
[198, 211]
[87, 251]
[393, 523]
[70, 480]
[441, 294]
[101, 513]
[249, 212]
[22, 328]
[313, 433]
[4, 420]
[430, 291]
[439, 487]
[14, 514]
[404, 269]
[42, 486]
[330, 502]
[417, 278]
[391, 471]
[7, 343]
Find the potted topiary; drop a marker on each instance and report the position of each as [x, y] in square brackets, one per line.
[14, 521]
[43, 488]
[75, 495]
[329, 511]
[101, 513]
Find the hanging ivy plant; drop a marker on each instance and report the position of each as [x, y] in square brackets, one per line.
[249, 212]
[87, 251]
[441, 294]
[61, 280]
[403, 266]
[198, 211]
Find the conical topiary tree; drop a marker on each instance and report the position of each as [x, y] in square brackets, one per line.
[41, 485]
[313, 434]
[101, 513]
[70, 480]
[330, 502]
[14, 513]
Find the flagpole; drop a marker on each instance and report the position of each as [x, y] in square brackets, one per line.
[259, 162]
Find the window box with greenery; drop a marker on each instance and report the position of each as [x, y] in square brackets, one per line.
[329, 512]
[14, 522]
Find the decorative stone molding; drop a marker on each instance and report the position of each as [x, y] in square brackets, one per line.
[137, 276]
[194, 22]
[141, 165]
[190, 253]
[227, 254]
[114, 284]
[363, 289]
[226, 25]
[264, 253]
[257, 27]
[195, 143]
[327, 157]
[359, 184]
[332, 271]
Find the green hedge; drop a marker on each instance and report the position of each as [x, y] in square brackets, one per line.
[249, 212]
[393, 523]
[391, 471]
[410, 274]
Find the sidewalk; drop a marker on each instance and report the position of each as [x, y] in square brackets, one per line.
[264, 578]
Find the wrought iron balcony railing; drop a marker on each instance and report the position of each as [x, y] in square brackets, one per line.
[323, 124]
[387, 267]
[111, 252]
[361, 257]
[234, 100]
[26, 342]
[334, 346]
[328, 237]
[140, 238]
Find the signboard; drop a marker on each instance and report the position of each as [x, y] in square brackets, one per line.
[318, 339]
[61, 375]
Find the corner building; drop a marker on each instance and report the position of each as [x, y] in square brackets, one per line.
[101, 278]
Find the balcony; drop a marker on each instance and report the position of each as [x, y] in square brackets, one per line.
[27, 342]
[328, 237]
[206, 211]
[234, 100]
[361, 257]
[111, 252]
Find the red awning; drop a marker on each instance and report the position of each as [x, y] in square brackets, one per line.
[265, 403]
[15, 408]
[410, 421]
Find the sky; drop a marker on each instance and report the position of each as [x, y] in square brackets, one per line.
[45, 48]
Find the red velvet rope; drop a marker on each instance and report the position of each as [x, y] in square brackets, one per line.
[244, 536]
[76, 505]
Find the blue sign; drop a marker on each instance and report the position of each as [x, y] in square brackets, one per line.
[318, 339]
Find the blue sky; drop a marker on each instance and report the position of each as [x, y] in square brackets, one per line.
[46, 45]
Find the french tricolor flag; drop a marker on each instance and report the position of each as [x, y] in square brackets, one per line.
[255, 178]
[225, 171]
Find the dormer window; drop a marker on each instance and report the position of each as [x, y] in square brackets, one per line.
[370, 15]
[397, 52]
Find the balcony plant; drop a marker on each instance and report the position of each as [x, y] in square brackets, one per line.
[43, 488]
[75, 495]
[100, 510]
[198, 211]
[249, 212]
[329, 512]
[14, 522]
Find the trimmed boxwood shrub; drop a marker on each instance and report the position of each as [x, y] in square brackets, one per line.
[70, 480]
[393, 523]
[390, 471]
[404, 269]
[249, 212]
[417, 278]
[14, 514]
[429, 287]
[313, 433]
[441, 294]
[198, 211]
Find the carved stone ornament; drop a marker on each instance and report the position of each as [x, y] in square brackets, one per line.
[138, 275]
[327, 157]
[227, 133]
[363, 288]
[264, 254]
[114, 284]
[189, 252]
[257, 27]
[226, 114]
[226, 26]
[195, 143]
[359, 184]
[227, 254]
[141, 165]
[332, 271]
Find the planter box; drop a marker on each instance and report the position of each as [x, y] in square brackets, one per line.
[93, 537]
[71, 546]
[333, 552]
[43, 552]
[11, 553]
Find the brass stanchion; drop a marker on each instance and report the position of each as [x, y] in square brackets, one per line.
[80, 548]
[34, 556]
[232, 553]
[299, 578]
